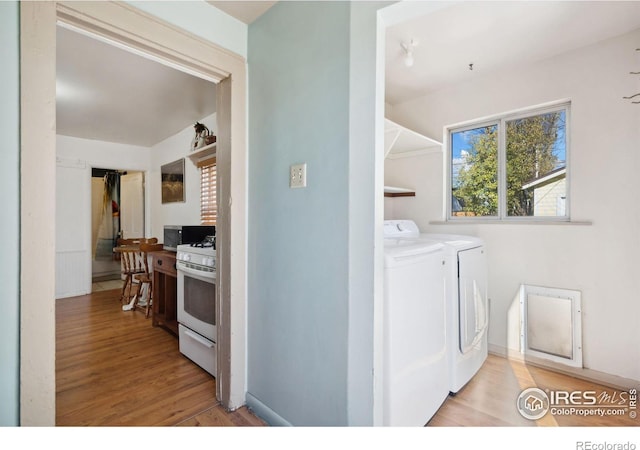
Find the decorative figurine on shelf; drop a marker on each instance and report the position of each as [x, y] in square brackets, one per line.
[203, 136]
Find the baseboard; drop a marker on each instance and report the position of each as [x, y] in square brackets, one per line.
[594, 376]
[265, 413]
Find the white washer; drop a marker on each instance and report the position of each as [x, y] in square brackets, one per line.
[468, 308]
[467, 301]
[416, 366]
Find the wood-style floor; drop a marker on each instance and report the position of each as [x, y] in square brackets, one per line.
[114, 369]
[489, 399]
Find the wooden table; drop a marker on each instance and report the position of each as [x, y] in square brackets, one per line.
[165, 289]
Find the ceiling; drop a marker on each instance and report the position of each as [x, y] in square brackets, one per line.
[109, 94]
[245, 11]
[494, 36]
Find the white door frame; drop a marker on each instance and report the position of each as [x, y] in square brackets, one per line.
[128, 26]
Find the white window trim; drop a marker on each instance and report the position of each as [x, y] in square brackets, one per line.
[500, 120]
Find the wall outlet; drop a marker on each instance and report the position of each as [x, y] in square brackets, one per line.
[298, 176]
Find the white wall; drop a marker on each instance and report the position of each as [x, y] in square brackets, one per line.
[601, 259]
[76, 157]
[105, 155]
[169, 150]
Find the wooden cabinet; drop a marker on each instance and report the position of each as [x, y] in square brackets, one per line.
[165, 290]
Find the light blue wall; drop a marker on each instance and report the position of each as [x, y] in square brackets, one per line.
[298, 56]
[9, 199]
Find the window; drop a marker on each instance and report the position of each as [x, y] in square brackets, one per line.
[208, 198]
[510, 167]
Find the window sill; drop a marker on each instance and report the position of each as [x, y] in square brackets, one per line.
[510, 222]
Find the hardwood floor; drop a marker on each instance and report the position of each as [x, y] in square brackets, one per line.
[489, 399]
[114, 369]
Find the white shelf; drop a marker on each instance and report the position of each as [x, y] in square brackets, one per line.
[203, 152]
[401, 142]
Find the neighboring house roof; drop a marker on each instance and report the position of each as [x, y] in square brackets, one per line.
[558, 173]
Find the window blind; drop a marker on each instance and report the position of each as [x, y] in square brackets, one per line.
[208, 197]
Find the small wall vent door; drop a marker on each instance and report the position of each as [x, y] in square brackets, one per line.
[551, 325]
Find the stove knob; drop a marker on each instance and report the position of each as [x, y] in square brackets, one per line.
[186, 257]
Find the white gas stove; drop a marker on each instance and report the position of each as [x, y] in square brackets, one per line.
[199, 257]
[197, 331]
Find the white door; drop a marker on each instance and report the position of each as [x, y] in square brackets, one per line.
[73, 274]
[132, 205]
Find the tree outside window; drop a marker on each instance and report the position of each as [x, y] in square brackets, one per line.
[511, 167]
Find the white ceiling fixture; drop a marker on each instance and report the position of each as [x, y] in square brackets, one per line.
[408, 49]
[493, 36]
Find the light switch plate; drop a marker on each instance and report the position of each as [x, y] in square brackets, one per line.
[298, 176]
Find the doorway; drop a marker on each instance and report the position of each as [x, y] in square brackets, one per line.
[121, 23]
[117, 211]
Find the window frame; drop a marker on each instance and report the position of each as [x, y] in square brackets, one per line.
[500, 120]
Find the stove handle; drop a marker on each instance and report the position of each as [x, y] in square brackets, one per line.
[195, 272]
[197, 338]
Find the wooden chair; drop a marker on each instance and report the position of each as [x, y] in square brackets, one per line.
[133, 262]
[146, 278]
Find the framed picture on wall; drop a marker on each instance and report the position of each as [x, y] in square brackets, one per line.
[173, 182]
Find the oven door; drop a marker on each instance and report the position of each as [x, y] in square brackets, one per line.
[197, 301]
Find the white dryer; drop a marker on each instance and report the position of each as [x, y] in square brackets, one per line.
[416, 366]
[468, 308]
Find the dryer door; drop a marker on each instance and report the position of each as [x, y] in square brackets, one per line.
[472, 310]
